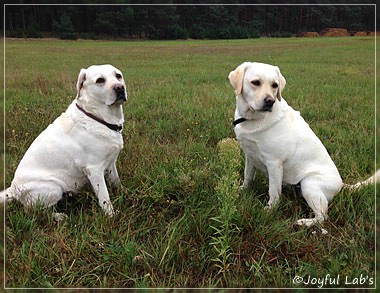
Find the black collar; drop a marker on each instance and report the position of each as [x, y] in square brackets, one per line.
[114, 127]
[238, 121]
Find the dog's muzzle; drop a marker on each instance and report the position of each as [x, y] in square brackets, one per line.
[268, 104]
[120, 94]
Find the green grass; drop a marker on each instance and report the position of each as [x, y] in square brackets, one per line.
[180, 105]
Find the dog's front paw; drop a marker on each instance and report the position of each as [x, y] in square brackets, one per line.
[244, 186]
[115, 213]
[111, 213]
[270, 207]
[271, 204]
[108, 209]
[59, 217]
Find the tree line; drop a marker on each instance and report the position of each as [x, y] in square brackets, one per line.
[182, 21]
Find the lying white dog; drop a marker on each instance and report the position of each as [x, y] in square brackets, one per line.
[277, 140]
[80, 146]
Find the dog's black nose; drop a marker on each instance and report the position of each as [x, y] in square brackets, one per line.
[268, 103]
[119, 88]
[120, 93]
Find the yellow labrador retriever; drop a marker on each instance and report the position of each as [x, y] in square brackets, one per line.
[276, 140]
[81, 145]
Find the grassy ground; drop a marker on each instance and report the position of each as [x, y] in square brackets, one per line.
[180, 225]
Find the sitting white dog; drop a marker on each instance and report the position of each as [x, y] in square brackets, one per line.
[277, 140]
[80, 146]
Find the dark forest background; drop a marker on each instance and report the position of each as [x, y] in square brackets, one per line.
[181, 21]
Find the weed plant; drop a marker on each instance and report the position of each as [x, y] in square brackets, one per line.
[226, 191]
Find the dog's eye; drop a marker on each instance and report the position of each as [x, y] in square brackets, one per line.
[100, 80]
[118, 76]
[256, 82]
[275, 85]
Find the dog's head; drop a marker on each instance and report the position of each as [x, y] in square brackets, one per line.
[258, 85]
[103, 84]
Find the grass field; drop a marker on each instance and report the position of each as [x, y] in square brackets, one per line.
[180, 224]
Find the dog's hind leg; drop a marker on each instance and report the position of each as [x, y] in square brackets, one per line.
[46, 193]
[317, 201]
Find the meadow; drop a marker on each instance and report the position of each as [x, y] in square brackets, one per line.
[183, 222]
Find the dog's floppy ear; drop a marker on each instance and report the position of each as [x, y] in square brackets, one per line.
[81, 79]
[282, 84]
[236, 77]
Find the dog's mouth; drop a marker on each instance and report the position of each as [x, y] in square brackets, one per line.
[120, 98]
[262, 109]
[266, 109]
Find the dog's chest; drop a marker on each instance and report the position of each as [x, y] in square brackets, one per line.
[87, 131]
[87, 137]
[253, 149]
[261, 143]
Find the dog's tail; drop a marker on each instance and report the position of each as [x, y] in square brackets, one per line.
[375, 178]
